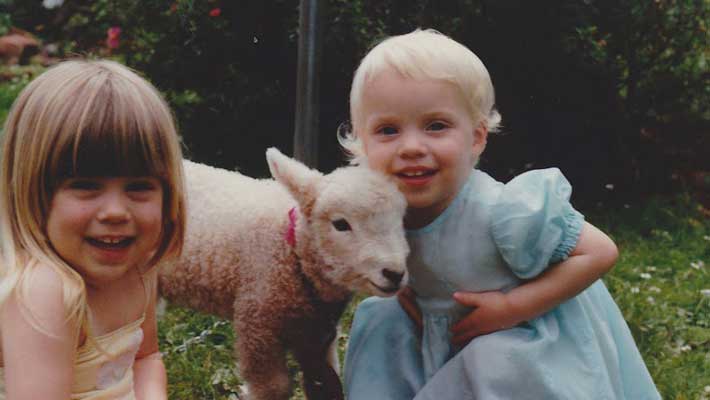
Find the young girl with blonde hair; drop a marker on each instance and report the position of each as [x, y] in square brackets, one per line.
[91, 201]
[506, 301]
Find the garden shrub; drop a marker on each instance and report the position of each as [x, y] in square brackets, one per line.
[612, 92]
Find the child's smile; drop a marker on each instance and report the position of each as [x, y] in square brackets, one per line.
[416, 176]
[111, 249]
[421, 133]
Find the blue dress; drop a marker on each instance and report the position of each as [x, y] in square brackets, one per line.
[493, 237]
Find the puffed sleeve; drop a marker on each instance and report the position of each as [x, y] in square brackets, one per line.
[533, 223]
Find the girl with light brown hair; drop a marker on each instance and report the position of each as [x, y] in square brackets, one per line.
[91, 201]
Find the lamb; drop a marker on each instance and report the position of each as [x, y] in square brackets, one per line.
[281, 258]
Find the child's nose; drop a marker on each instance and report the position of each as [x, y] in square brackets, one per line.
[113, 208]
[412, 145]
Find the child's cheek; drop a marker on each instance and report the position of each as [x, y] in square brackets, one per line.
[152, 217]
[376, 160]
[377, 166]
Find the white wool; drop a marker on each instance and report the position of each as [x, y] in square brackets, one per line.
[236, 262]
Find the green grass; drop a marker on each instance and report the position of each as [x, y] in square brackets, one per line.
[661, 283]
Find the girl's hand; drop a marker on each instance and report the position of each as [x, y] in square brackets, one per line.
[492, 311]
[592, 257]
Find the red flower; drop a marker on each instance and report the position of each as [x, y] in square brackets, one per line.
[215, 12]
[112, 37]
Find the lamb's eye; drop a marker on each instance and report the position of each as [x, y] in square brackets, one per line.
[341, 225]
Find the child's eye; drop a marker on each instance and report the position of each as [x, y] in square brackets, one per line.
[436, 126]
[387, 130]
[141, 186]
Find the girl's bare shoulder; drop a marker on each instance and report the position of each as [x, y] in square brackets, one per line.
[41, 292]
[35, 312]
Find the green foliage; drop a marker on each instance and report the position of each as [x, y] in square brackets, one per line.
[5, 23]
[644, 44]
[609, 91]
[223, 66]
[17, 77]
[5, 17]
[654, 54]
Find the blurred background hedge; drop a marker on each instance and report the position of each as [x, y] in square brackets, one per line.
[613, 92]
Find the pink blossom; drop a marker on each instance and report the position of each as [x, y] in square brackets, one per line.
[215, 12]
[112, 37]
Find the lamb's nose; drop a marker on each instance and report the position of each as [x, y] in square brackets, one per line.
[392, 276]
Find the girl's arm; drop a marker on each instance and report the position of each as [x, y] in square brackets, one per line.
[593, 256]
[150, 381]
[38, 364]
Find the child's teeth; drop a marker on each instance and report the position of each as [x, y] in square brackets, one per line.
[110, 241]
[418, 173]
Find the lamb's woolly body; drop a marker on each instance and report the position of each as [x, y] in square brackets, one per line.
[237, 264]
[241, 224]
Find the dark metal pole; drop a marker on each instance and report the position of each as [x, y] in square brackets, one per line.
[305, 141]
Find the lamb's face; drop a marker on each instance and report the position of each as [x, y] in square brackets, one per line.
[356, 223]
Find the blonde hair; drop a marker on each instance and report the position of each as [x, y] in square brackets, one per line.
[421, 55]
[81, 118]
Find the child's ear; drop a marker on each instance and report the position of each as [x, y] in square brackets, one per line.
[480, 139]
[298, 179]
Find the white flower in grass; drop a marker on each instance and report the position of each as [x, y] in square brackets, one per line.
[651, 268]
[705, 292]
[654, 289]
[635, 289]
[685, 347]
[645, 275]
[50, 4]
[707, 389]
[697, 264]
[706, 237]
[651, 300]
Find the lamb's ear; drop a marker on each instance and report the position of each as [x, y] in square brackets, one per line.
[298, 179]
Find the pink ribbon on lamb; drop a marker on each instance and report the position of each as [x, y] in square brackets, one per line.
[290, 234]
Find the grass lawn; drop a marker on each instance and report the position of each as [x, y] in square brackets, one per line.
[661, 283]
